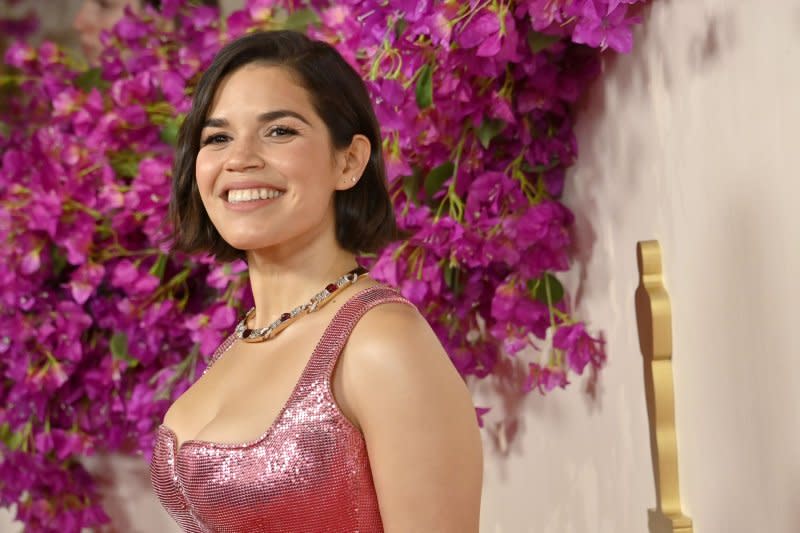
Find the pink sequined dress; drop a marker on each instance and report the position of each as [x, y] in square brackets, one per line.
[309, 472]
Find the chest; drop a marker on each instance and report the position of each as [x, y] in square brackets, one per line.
[309, 471]
[244, 391]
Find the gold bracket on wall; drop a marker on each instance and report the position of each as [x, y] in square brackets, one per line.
[654, 320]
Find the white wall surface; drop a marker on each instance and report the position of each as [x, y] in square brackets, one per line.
[690, 140]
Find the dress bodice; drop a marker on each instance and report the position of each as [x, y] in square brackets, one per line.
[308, 472]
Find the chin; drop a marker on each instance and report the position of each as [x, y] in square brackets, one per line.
[249, 244]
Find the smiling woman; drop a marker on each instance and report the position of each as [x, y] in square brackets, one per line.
[319, 106]
[333, 406]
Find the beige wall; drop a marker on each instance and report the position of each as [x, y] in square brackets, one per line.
[689, 140]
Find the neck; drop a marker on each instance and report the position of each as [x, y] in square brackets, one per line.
[281, 282]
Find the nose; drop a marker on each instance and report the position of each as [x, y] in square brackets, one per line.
[244, 156]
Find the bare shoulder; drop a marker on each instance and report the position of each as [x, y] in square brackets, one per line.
[402, 387]
[393, 325]
[393, 341]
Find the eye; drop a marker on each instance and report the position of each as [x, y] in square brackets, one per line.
[216, 138]
[280, 131]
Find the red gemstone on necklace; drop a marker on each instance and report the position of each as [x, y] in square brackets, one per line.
[285, 317]
[331, 287]
[246, 333]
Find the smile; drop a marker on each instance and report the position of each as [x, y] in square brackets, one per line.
[236, 196]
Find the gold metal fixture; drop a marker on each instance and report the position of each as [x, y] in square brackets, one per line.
[654, 320]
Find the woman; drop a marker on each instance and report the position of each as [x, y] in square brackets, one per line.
[97, 16]
[350, 417]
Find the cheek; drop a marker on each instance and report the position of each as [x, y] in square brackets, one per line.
[310, 166]
[206, 169]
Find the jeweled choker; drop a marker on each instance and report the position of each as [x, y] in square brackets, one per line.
[318, 300]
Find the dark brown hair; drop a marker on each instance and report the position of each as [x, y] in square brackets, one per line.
[364, 215]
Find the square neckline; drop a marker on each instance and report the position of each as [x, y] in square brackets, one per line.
[177, 448]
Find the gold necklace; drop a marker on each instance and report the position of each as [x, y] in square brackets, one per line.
[318, 300]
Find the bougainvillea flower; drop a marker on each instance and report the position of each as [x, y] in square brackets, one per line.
[598, 28]
[544, 379]
[580, 348]
[85, 280]
[480, 412]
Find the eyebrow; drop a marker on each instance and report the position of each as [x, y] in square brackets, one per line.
[269, 116]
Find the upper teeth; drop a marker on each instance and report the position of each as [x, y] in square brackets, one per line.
[246, 195]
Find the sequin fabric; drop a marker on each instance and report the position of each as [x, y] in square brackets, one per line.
[309, 472]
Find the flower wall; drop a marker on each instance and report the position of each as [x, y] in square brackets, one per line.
[101, 328]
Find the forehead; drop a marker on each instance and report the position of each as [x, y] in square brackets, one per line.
[259, 87]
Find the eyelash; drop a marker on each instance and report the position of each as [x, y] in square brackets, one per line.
[285, 129]
[211, 139]
[217, 138]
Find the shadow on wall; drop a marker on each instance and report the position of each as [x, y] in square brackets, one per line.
[505, 388]
[636, 76]
[712, 34]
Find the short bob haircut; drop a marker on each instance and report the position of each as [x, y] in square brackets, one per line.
[364, 216]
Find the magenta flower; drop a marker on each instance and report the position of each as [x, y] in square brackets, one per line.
[31, 261]
[19, 28]
[20, 55]
[480, 412]
[483, 32]
[604, 27]
[545, 14]
[85, 280]
[544, 379]
[580, 348]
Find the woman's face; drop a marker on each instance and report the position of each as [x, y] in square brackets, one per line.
[266, 170]
[95, 16]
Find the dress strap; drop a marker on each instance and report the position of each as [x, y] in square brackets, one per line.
[345, 320]
[221, 349]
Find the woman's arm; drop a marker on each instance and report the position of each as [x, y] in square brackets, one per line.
[418, 421]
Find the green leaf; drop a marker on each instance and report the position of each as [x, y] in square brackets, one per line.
[159, 266]
[399, 27]
[14, 440]
[489, 129]
[539, 41]
[424, 89]
[301, 19]
[411, 186]
[538, 289]
[119, 345]
[91, 79]
[452, 278]
[8, 79]
[59, 262]
[169, 132]
[125, 164]
[119, 349]
[436, 177]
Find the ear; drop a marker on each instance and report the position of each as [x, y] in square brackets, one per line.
[354, 160]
